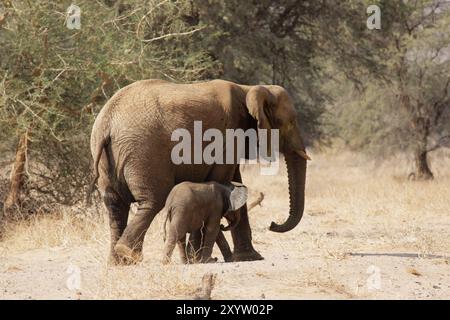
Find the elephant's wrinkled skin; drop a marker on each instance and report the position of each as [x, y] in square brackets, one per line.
[194, 206]
[131, 146]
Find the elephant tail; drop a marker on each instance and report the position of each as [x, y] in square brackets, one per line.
[98, 153]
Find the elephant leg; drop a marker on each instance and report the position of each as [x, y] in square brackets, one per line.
[224, 247]
[211, 231]
[118, 217]
[129, 246]
[150, 193]
[182, 249]
[242, 234]
[169, 246]
[194, 245]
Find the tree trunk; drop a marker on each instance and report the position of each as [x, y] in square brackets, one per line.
[18, 175]
[422, 170]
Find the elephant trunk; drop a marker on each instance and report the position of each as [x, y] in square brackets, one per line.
[233, 223]
[296, 170]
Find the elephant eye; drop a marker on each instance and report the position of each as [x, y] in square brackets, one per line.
[293, 122]
[290, 125]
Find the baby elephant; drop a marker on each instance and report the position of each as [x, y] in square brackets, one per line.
[193, 206]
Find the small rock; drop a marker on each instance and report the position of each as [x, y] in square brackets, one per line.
[414, 272]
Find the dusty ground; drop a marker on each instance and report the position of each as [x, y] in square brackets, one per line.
[367, 233]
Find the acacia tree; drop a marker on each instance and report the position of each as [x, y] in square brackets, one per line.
[402, 74]
[53, 81]
[422, 82]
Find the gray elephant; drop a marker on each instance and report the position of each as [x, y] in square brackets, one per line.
[131, 146]
[200, 206]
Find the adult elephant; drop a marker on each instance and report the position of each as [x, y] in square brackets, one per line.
[131, 146]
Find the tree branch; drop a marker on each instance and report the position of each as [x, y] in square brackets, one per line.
[175, 34]
[439, 143]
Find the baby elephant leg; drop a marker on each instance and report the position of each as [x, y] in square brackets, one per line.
[168, 249]
[182, 249]
[211, 231]
[172, 238]
[194, 245]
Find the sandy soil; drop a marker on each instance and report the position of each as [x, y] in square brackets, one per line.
[367, 233]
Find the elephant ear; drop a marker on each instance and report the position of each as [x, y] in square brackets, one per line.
[260, 102]
[238, 196]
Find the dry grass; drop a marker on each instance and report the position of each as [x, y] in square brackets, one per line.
[358, 214]
[63, 229]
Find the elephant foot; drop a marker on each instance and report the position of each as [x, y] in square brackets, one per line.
[126, 255]
[228, 258]
[184, 260]
[208, 260]
[250, 255]
[113, 259]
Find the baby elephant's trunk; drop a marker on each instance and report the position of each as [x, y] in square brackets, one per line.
[233, 222]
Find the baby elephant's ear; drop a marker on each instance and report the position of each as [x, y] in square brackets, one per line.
[238, 196]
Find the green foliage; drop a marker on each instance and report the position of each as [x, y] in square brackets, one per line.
[365, 121]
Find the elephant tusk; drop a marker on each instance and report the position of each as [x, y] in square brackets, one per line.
[303, 154]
